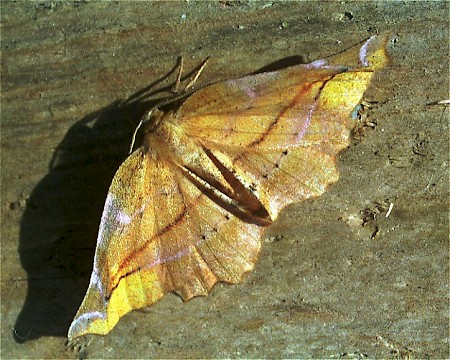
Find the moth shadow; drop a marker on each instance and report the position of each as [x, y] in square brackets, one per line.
[59, 226]
[281, 64]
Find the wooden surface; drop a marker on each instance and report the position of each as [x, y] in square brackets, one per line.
[335, 277]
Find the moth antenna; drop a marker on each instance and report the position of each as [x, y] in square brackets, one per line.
[184, 93]
[180, 70]
[199, 71]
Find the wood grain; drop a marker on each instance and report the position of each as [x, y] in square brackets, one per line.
[67, 67]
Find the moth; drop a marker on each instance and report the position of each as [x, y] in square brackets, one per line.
[188, 208]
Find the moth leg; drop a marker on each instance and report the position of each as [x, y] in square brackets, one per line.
[444, 103]
[147, 116]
